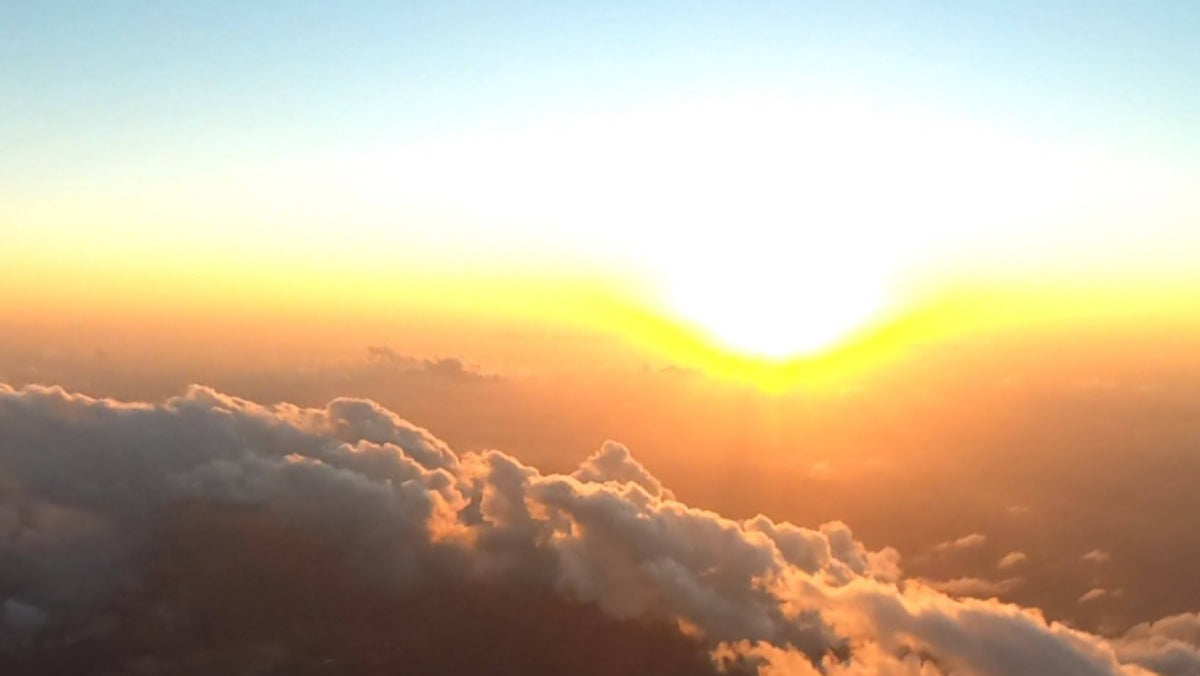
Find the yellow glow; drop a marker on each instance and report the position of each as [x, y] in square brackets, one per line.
[764, 240]
[596, 319]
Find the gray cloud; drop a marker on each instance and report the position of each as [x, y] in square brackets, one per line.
[85, 485]
[447, 367]
[614, 463]
[1167, 646]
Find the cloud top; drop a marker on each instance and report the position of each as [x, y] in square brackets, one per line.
[86, 484]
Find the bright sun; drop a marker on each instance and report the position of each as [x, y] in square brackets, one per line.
[776, 226]
[774, 304]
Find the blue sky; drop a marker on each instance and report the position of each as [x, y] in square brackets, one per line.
[91, 84]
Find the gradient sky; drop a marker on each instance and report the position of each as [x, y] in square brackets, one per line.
[684, 157]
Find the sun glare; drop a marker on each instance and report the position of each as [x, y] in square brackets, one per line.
[772, 306]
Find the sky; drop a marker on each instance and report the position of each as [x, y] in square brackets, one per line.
[771, 338]
[881, 152]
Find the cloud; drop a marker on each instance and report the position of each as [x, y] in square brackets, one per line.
[1167, 646]
[356, 498]
[452, 368]
[614, 463]
[1097, 556]
[965, 542]
[1097, 593]
[1012, 559]
[974, 586]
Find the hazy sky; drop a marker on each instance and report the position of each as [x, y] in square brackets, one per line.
[691, 158]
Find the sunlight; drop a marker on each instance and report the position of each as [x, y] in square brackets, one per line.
[773, 307]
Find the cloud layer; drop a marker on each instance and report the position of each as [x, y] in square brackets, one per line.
[87, 487]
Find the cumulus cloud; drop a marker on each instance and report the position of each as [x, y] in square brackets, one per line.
[1167, 646]
[615, 463]
[1097, 556]
[87, 487]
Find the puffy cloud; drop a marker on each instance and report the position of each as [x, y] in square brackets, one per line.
[615, 463]
[1184, 627]
[1097, 556]
[87, 487]
[869, 660]
[1167, 646]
